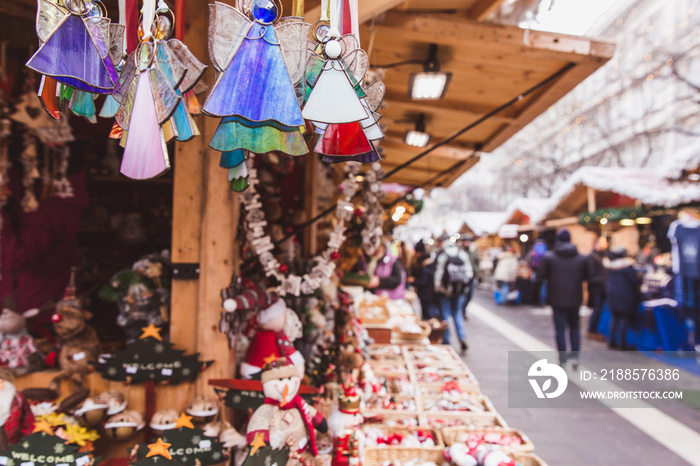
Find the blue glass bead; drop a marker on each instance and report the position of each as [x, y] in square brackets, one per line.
[264, 11]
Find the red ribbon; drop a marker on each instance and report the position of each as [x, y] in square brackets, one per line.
[132, 25]
[298, 403]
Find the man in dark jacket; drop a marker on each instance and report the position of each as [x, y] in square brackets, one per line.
[565, 271]
[622, 284]
[596, 286]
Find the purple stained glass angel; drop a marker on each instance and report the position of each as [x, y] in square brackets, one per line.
[75, 45]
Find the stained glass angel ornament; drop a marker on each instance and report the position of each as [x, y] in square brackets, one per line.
[151, 110]
[260, 59]
[342, 110]
[76, 56]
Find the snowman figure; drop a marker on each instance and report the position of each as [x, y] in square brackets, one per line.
[285, 419]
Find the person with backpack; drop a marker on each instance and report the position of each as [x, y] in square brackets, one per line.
[453, 275]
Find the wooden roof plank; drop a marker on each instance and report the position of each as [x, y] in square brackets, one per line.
[482, 9]
[366, 10]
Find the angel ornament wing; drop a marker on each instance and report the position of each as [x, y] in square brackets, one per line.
[260, 60]
[339, 106]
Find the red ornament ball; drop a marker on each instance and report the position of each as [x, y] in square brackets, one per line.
[283, 268]
[56, 318]
[335, 255]
[358, 213]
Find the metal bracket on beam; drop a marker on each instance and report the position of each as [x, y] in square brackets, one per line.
[185, 271]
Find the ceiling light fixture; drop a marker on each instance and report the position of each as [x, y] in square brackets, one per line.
[417, 137]
[431, 83]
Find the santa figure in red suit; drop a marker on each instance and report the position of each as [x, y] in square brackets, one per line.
[16, 417]
[279, 326]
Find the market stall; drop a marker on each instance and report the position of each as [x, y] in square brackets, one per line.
[177, 108]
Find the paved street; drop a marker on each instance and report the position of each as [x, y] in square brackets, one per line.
[577, 436]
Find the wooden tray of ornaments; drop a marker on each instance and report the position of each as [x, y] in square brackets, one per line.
[479, 402]
[444, 419]
[452, 435]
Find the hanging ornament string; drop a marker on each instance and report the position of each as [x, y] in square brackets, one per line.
[261, 245]
[148, 11]
[372, 194]
[324, 10]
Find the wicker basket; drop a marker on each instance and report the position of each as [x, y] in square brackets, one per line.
[406, 430]
[447, 419]
[482, 400]
[436, 388]
[404, 336]
[384, 417]
[451, 435]
[388, 366]
[528, 459]
[377, 456]
[398, 409]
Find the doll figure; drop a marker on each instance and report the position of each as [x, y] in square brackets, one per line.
[285, 419]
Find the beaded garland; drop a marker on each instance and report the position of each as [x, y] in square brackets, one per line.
[261, 244]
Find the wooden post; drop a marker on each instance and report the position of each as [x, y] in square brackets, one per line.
[205, 218]
[591, 200]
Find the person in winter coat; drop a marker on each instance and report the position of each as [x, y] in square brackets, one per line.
[565, 271]
[622, 286]
[423, 274]
[596, 286]
[453, 274]
[506, 271]
[387, 272]
[474, 262]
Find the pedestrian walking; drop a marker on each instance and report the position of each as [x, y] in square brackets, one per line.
[534, 260]
[596, 286]
[506, 272]
[622, 285]
[474, 262]
[453, 274]
[422, 277]
[565, 271]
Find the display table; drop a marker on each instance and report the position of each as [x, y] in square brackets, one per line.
[655, 328]
[430, 393]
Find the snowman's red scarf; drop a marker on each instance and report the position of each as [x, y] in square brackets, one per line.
[309, 421]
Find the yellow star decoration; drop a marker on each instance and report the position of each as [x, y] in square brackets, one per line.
[54, 419]
[184, 421]
[159, 448]
[270, 359]
[43, 426]
[257, 443]
[151, 331]
[80, 435]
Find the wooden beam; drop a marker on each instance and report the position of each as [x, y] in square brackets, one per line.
[458, 32]
[366, 10]
[482, 9]
[394, 143]
[452, 109]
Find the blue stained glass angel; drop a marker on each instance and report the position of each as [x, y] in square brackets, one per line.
[260, 60]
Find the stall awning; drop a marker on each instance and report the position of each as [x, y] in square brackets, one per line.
[591, 188]
[490, 65]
